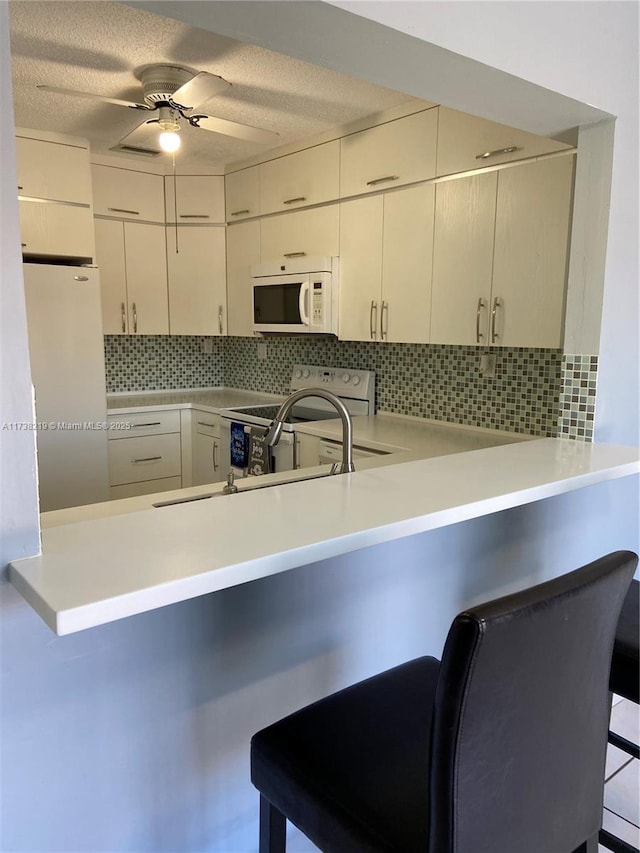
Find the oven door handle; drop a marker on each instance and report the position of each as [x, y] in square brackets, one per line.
[303, 302]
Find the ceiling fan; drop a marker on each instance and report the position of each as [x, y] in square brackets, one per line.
[172, 93]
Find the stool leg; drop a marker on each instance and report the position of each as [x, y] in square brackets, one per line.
[589, 846]
[273, 828]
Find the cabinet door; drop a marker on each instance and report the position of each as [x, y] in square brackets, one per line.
[360, 268]
[304, 178]
[464, 139]
[242, 193]
[200, 199]
[462, 259]
[207, 461]
[398, 152]
[530, 259]
[197, 280]
[146, 263]
[305, 232]
[407, 249]
[127, 194]
[243, 250]
[54, 171]
[307, 450]
[56, 230]
[113, 275]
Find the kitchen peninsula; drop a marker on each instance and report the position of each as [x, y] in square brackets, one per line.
[99, 570]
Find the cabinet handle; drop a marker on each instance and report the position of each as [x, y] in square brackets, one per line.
[479, 334]
[135, 318]
[384, 327]
[294, 254]
[24, 245]
[220, 321]
[151, 423]
[20, 188]
[373, 322]
[123, 317]
[383, 180]
[494, 334]
[486, 154]
[148, 459]
[194, 216]
[204, 423]
[122, 210]
[214, 459]
[294, 200]
[239, 212]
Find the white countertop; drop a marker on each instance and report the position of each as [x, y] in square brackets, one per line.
[198, 398]
[99, 570]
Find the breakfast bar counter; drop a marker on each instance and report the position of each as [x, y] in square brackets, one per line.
[106, 568]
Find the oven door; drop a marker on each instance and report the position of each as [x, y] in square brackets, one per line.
[281, 303]
[283, 454]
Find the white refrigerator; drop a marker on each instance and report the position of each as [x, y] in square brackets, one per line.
[66, 347]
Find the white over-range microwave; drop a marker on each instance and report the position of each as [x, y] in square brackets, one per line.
[298, 296]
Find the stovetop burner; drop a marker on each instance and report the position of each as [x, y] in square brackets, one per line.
[296, 416]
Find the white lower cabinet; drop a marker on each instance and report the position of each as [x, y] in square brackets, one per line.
[206, 448]
[385, 270]
[133, 277]
[145, 457]
[314, 232]
[197, 280]
[243, 250]
[307, 450]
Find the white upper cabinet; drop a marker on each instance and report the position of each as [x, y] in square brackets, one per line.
[199, 199]
[243, 250]
[303, 232]
[126, 194]
[463, 259]
[399, 152]
[308, 177]
[242, 192]
[56, 230]
[466, 142]
[197, 280]
[53, 170]
[533, 216]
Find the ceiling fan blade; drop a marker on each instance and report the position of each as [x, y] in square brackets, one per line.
[92, 96]
[235, 129]
[145, 136]
[199, 89]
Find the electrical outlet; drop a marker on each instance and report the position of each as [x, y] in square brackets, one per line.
[262, 350]
[207, 345]
[487, 364]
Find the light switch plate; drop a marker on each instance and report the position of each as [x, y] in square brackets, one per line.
[262, 350]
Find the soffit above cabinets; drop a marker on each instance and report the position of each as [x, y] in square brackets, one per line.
[94, 46]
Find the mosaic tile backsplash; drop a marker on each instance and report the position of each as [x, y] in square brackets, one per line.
[432, 381]
[577, 407]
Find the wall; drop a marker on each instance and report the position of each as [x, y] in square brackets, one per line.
[134, 736]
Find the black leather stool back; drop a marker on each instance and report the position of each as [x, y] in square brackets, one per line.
[520, 711]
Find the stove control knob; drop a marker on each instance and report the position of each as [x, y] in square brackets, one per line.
[298, 374]
[356, 380]
[305, 374]
[346, 377]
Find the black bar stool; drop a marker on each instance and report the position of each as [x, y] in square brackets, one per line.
[624, 680]
[498, 748]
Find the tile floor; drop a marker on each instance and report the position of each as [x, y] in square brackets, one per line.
[622, 786]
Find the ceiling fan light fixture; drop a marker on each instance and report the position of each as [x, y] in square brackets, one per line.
[169, 141]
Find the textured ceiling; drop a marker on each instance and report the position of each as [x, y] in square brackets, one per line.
[95, 46]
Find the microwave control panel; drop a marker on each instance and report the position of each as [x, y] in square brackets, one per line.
[317, 303]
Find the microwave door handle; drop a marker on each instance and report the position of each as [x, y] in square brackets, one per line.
[303, 301]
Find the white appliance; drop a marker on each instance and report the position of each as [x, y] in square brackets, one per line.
[356, 389]
[299, 296]
[66, 347]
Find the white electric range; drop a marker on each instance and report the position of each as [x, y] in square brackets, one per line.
[356, 389]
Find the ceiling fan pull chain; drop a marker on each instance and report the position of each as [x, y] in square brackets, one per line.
[175, 199]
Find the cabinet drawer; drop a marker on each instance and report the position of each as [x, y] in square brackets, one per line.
[302, 179]
[390, 155]
[200, 199]
[206, 424]
[464, 139]
[52, 170]
[148, 487]
[242, 193]
[306, 232]
[143, 423]
[126, 194]
[132, 460]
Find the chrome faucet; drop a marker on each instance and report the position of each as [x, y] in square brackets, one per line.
[275, 430]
